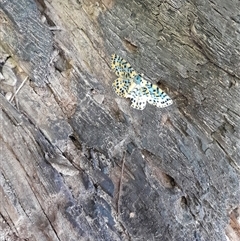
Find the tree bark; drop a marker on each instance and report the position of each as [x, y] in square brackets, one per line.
[78, 163]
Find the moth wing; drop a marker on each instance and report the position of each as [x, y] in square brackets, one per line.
[121, 86]
[121, 67]
[137, 98]
[156, 96]
[160, 102]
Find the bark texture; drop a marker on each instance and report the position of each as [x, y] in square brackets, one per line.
[78, 163]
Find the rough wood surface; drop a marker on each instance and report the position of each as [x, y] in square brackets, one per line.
[64, 135]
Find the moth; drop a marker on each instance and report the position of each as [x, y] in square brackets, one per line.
[130, 84]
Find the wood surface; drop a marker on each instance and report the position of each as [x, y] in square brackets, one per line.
[78, 163]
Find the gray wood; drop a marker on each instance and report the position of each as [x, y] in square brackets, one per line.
[64, 136]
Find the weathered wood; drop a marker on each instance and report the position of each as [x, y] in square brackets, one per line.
[25, 37]
[62, 144]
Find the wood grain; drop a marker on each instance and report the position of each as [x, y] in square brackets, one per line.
[63, 140]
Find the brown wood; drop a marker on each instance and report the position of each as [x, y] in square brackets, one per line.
[64, 134]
